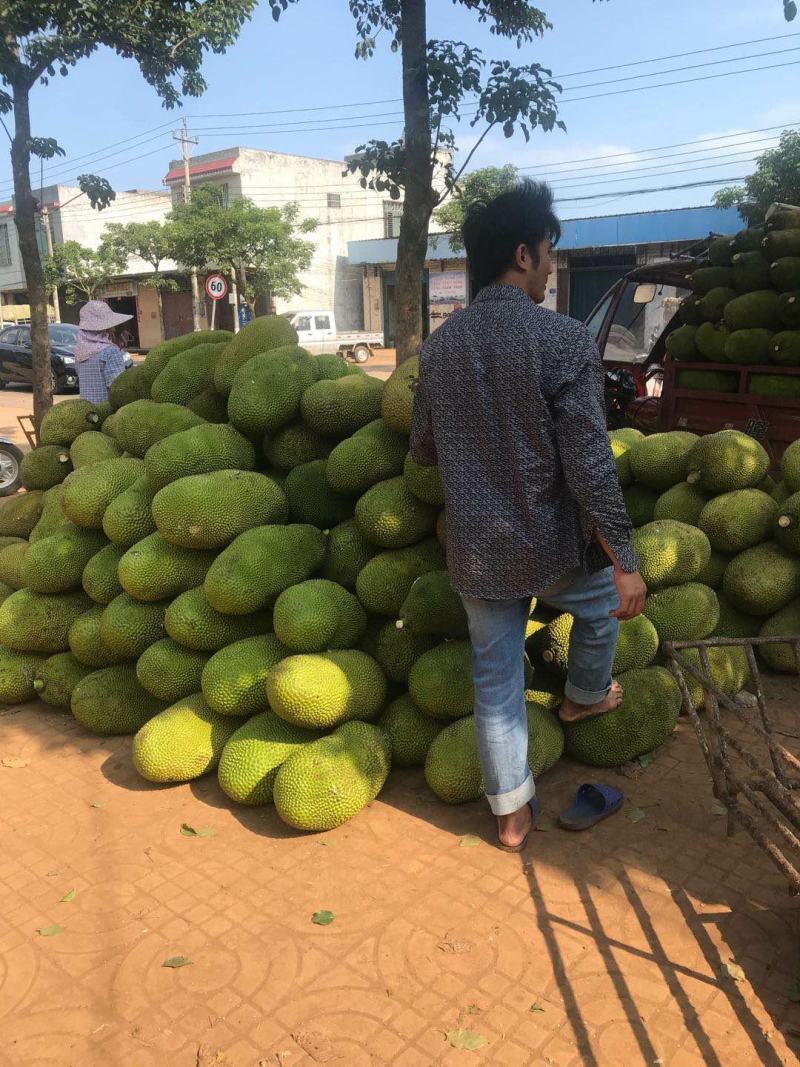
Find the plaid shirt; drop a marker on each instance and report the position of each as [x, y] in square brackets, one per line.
[509, 402]
[96, 373]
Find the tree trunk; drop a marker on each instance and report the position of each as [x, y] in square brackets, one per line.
[412, 246]
[25, 217]
[160, 296]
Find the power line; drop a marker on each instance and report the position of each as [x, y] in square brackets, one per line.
[642, 192]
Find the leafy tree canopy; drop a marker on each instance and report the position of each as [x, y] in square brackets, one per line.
[482, 184]
[150, 241]
[776, 179]
[82, 270]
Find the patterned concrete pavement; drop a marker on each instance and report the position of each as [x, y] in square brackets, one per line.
[590, 950]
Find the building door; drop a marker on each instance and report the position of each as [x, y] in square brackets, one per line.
[588, 284]
[126, 305]
[177, 314]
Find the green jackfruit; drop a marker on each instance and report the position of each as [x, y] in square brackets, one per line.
[728, 670]
[347, 553]
[619, 450]
[389, 515]
[295, 444]
[209, 405]
[339, 408]
[386, 580]
[749, 240]
[786, 526]
[317, 615]
[713, 573]
[62, 423]
[111, 701]
[720, 252]
[690, 311]
[260, 564]
[128, 627]
[710, 342]
[785, 274]
[155, 569]
[199, 450]
[52, 517]
[757, 310]
[182, 742]
[775, 385]
[321, 690]
[784, 348]
[332, 365]
[398, 396]
[783, 219]
[19, 514]
[659, 461]
[311, 498]
[234, 680]
[210, 510]
[713, 305]
[748, 346]
[682, 343]
[86, 642]
[170, 672]
[626, 434]
[708, 381]
[780, 243]
[781, 493]
[100, 579]
[5, 591]
[735, 623]
[18, 675]
[91, 446]
[786, 621]
[56, 563]
[57, 677]
[727, 460]
[644, 720]
[40, 622]
[670, 552]
[409, 730]
[761, 580]
[424, 482]
[738, 520]
[89, 490]
[139, 425]
[128, 518]
[261, 335]
[790, 310]
[330, 780]
[396, 651]
[45, 467]
[12, 558]
[637, 644]
[687, 612]
[193, 623]
[640, 503]
[133, 384]
[683, 502]
[552, 643]
[440, 682]
[266, 391]
[160, 355]
[371, 455]
[750, 272]
[253, 756]
[433, 607]
[187, 374]
[704, 279]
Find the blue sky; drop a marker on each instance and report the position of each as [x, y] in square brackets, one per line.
[307, 61]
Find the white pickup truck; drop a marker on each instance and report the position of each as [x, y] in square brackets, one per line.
[316, 331]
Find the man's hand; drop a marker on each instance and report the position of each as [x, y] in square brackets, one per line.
[632, 591]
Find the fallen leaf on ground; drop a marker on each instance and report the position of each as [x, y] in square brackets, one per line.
[544, 825]
[644, 760]
[454, 948]
[472, 1009]
[469, 841]
[315, 1044]
[96, 804]
[322, 918]
[732, 970]
[466, 1039]
[68, 897]
[719, 809]
[537, 1007]
[49, 931]
[200, 831]
[635, 815]
[14, 761]
[176, 961]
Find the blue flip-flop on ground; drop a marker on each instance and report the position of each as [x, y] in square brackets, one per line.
[593, 803]
[533, 804]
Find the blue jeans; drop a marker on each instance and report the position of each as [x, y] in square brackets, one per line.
[497, 631]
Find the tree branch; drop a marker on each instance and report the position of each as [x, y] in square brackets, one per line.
[472, 152]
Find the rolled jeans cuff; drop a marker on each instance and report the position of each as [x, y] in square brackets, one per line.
[585, 696]
[507, 803]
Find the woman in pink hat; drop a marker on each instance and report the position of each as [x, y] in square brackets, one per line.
[99, 361]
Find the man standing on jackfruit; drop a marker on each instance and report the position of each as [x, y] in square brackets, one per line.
[509, 403]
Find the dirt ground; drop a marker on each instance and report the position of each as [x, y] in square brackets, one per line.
[652, 940]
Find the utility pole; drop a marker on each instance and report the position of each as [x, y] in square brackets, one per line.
[186, 140]
[49, 238]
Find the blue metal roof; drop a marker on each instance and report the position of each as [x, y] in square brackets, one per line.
[602, 231]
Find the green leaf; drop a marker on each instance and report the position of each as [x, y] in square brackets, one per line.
[469, 841]
[96, 804]
[635, 815]
[200, 831]
[719, 809]
[322, 918]
[49, 931]
[177, 961]
[68, 897]
[466, 1039]
[645, 760]
[732, 970]
[544, 825]
[537, 1008]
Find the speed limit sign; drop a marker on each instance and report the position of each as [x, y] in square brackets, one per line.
[216, 286]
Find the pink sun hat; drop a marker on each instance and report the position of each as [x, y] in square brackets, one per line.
[97, 316]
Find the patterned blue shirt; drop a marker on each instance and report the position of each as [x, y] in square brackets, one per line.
[96, 373]
[510, 404]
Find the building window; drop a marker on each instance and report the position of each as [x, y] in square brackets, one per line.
[5, 246]
[334, 200]
[392, 211]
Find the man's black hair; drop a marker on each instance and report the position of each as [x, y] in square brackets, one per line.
[493, 230]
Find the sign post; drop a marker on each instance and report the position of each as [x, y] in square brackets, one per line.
[216, 289]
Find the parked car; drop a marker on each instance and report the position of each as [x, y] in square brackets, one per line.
[316, 332]
[16, 363]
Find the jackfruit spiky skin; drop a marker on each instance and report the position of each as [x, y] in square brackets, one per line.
[92, 446]
[704, 279]
[762, 580]
[52, 517]
[18, 672]
[682, 343]
[169, 672]
[713, 304]
[398, 396]
[683, 612]
[397, 651]
[670, 552]
[748, 346]
[339, 408]
[257, 567]
[371, 455]
[683, 502]
[128, 626]
[187, 374]
[659, 461]
[253, 756]
[347, 553]
[713, 573]
[261, 335]
[386, 580]
[784, 348]
[622, 462]
[311, 499]
[155, 569]
[12, 557]
[390, 516]
[40, 622]
[440, 682]
[193, 623]
[317, 615]
[138, 426]
[785, 273]
[637, 644]
[111, 701]
[160, 355]
[759, 310]
[552, 642]
[266, 391]
[708, 381]
[234, 680]
[199, 450]
[100, 579]
[750, 272]
[424, 482]
[294, 445]
[182, 742]
[330, 365]
[728, 670]
[786, 621]
[86, 642]
[409, 730]
[56, 563]
[133, 384]
[62, 423]
[777, 385]
[56, 679]
[735, 623]
[128, 518]
[330, 780]
[749, 240]
[45, 467]
[720, 252]
[433, 607]
[19, 514]
[319, 691]
[727, 460]
[790, 310]
[644, 720]
[785, 527]
[209, 405]
[209, 511]
[738, 520]
[640, 503]
[88, 491]
[790, 468]
[711, 340]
